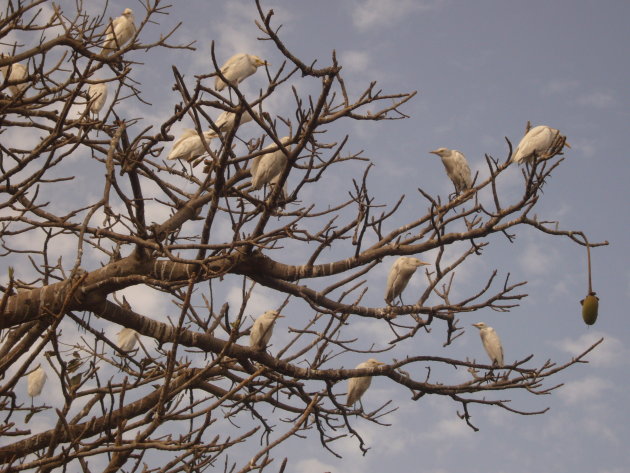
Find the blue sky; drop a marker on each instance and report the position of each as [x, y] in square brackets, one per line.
[482, 69]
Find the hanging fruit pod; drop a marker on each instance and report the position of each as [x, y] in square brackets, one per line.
[590, 305]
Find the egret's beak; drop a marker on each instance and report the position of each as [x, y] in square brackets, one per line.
[279, 316]
[434, 152]
[567, 144]
[422, 263]
[478, 325]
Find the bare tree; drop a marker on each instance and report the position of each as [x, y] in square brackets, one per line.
[192, 388]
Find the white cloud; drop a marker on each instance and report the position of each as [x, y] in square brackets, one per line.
[559, 86]
[365, 328]
[608, 353]
[259, 301]
[587, 389]
[378, 13]
[537, 259]
[587, 147]
[148, 302]
[355, 61]
[448, 429]
[380, 440]
[313, 465]
[238, 32]
[597, 99]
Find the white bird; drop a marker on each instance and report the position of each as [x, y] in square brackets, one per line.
[261, 331]
[127, 339]
[284, 193]
[189, 145]
[97, 94]
[36, 381]
[118, 32]
[491, 342]
[540, 142]
[457, 168]
[15, 72]
[237, 68]
[226, 121]
[267, 166]
[358, 386]
[399, 275]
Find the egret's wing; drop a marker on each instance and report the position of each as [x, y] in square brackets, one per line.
[185, 146]
[187, 133]
[392, 280]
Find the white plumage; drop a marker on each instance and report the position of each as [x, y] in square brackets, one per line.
[358, 386]
[16, 72]
[399, 276]
[237, 68]
[118, 32]
[189, 145]
[457, 168]
[97, 94]
[226, 121]
[127, 339]
[36, 381]
[284, 193]
[540, 142]
[261, 331]
[267, 166]
[491, 343]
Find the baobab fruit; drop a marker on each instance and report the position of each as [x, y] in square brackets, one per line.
[590, 305]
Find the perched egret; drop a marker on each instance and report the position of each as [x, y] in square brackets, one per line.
[226, 121]
[97, 94]
[127, 339]
[36, 381]
[267, 166]
[189, 145]
[237, 68]
[119, 31]
[262, 329]
[491, 343]
[400, 274]
[457, 168]
[284, 193]
[358, 386]
[15, 72]
[540, 142]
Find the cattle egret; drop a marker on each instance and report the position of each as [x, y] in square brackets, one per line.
[237, 68]
[97, 94]
[262, 329]
[225, 121]
[119, 31]
[36, 381]
[491, 343]
[399, 275]
[267, 166]
[127, 339]
[358, 386]
[285, 193]
[189, 145]
[457, 168]
[15, 72]
[540, 142]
